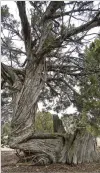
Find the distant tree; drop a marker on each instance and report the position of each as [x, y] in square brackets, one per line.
[44, 122]
[5, 133]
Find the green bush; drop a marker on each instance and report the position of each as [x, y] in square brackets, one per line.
[44, 122]
[5, 132]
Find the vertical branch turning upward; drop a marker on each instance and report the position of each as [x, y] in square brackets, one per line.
[25, 24]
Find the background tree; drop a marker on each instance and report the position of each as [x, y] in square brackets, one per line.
[5, 132]
[89, 102]
[44, 122]
[52, 68]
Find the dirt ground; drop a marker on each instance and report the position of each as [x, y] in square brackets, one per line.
[9, 165]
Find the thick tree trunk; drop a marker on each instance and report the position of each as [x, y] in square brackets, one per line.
[43, 149]
[25, 104]
[80, 148]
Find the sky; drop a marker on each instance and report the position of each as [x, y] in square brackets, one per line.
[14, 11]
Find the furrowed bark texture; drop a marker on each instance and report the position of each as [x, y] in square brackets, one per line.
[80, 148]
[43, 149]
[50, 148]
[25, 104]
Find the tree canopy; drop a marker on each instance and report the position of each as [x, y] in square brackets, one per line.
[90, 87]
[52, 32]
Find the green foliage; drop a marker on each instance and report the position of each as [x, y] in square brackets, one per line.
[7, 19]
[44, 122]
[6, 129]
[8, 23]
[90, 90]
[5, 132]
[93, 129]
[4, 12]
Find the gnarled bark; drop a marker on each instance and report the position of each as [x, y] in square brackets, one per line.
[43, 149]
[80, 148]
[25, 103]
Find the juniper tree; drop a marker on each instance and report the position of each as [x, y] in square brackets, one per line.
[88, 103]
[52, 46]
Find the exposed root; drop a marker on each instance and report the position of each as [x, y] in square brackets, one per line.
[32, 158]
